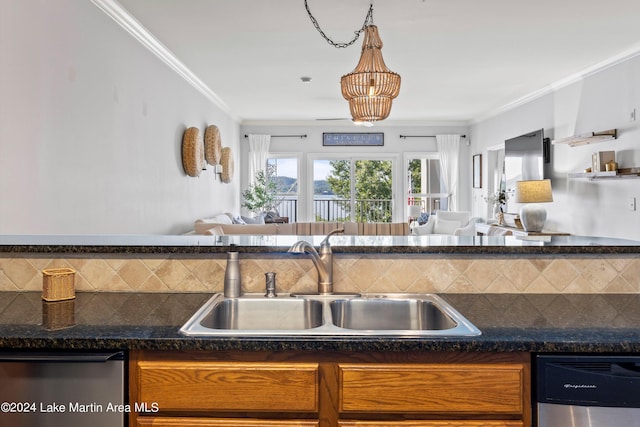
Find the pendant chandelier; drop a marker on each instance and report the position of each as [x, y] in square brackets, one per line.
[371, 87]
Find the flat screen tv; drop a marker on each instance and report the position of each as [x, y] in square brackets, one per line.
[524, 158]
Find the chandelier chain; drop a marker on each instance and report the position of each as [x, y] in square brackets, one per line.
[368, 20]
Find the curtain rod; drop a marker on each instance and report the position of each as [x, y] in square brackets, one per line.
[284, 136]
[424, 136]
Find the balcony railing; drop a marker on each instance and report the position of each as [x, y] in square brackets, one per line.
[366, 210]
[324, 209]
[289, 207]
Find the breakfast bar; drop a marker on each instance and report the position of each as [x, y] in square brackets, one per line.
[564, 295]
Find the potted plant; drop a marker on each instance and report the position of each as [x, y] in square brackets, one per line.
[260, 196]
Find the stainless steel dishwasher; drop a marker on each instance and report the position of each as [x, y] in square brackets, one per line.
[62, 389]
[587, 391]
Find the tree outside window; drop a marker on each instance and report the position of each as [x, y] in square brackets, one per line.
[372, 195]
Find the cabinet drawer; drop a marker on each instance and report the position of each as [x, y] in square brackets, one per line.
[432, 388]
[442, 423]
[213, 422]
[233, 386]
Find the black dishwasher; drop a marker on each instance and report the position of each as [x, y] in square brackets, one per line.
[587, 391]
[75, 389]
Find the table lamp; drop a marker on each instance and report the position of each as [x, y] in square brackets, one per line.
[414, 212]
[533, 215]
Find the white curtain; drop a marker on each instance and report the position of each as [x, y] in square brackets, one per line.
[448, 149]
[258, 153]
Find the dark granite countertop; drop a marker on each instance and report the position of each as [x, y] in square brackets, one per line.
[197, 244]
[509, 322]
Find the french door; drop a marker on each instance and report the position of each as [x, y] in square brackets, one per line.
[352, 189]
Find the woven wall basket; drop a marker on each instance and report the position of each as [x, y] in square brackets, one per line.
[192, 152]
[227, 165]
[212, 145]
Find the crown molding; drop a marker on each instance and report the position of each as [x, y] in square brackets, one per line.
[623, 56]
[349, 124]
[122, 17]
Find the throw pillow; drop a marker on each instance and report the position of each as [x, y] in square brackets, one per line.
[423, 218]
[443, 226]
[238, 220]
[218, 219]
[257, 220]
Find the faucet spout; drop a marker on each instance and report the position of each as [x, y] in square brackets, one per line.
[323, 261]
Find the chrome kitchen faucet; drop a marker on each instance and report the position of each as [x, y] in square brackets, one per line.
[323, 260]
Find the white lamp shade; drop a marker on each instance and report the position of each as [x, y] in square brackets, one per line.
[414, 211]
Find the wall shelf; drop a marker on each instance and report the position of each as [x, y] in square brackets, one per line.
[588, 138]
[620, 173]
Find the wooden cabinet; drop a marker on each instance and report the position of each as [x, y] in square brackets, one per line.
[326, 389]
[431, 388]
[443, 423]
[228, 386]
[212, 422]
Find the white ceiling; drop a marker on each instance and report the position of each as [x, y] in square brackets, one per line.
[460, 60]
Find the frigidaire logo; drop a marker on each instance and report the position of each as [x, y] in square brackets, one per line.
[580, 386]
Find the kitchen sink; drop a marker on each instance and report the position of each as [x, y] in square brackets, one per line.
[259, 313]
[421, 315]
[390, 314]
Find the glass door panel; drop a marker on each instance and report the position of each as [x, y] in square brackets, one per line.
[353, 190]
[373, 190]
[332, 190]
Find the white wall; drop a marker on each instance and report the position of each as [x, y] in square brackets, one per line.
[91, 125]
[598, 102]
[393, 149]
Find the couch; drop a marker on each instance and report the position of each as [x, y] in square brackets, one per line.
[223, 224]
[447, 223]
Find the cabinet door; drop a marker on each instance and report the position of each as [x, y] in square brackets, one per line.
[442, 423]
[228, 386]
[214, 422]
[432, 388]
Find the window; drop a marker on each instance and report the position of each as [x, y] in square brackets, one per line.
[424, 184]
[283, 169]
[349, 189]
[331, 190]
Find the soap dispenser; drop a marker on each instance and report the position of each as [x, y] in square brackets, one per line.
[232, 279]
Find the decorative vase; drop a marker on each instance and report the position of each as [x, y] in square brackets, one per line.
[496, 212]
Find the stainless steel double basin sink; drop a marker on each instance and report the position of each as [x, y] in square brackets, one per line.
[420, 315]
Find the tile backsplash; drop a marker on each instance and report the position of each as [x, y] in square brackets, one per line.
[355, 273]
